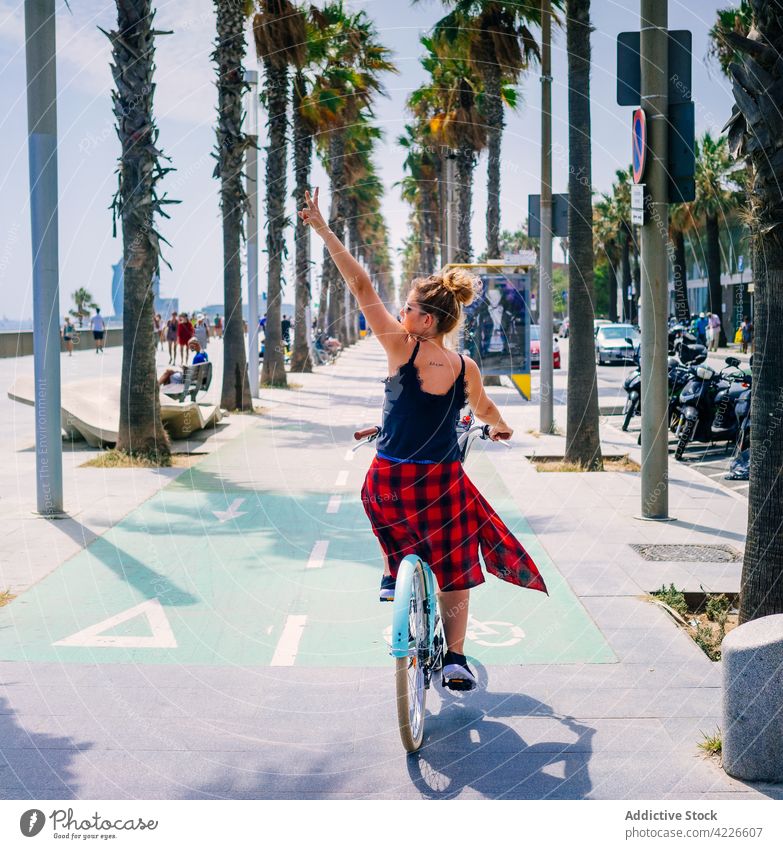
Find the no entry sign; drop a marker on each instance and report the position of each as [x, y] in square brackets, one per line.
[639, 140]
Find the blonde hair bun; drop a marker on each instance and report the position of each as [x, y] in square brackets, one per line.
[462, 284]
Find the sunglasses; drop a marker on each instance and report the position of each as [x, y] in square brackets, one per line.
[408, 309]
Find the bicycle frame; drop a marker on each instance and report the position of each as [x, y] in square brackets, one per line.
[399, 646]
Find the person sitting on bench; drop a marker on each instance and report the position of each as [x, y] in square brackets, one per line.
[174, 375]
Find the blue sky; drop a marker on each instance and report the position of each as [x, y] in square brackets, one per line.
[185, 107]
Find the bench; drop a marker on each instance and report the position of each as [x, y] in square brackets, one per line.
[195, 379]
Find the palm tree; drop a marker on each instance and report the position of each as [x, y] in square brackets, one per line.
[715, 198]
[419, 189]
[756, 133]
[499, 48]
[229, 55]
[136, 204]
[279, 31]
[583, 442]
[303, 129]
[605, 234]
[736, 20]
[347, 81]
[621, 205]
[84, 302]
[363, 195]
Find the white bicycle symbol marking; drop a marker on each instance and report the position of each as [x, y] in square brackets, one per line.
[481, 632]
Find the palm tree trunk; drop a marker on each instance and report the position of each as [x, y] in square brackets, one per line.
[757, 116]
[713, 272]
[465, 164]
[352, 324]
[140, 429]
[231, 144]
[273, 372]
[493, 110]
[303, 151]
[611, 259]
[428, 221]
[682, 310]
[583, 443]
[761, 592]
[337, 226]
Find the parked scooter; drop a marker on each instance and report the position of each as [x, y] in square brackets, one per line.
[708, 406]
[679, 375]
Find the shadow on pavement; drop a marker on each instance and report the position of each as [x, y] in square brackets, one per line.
[35, 765]
[466, 748]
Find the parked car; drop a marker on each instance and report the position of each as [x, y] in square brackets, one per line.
[612, 345]
[535, 348]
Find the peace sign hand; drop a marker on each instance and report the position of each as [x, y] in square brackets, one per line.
[311, 214]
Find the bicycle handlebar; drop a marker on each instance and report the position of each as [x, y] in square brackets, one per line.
[370, 431]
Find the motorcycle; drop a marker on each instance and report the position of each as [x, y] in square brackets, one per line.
[708, 407]
[679, 375]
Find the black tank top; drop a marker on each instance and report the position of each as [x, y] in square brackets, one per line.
[419, 426]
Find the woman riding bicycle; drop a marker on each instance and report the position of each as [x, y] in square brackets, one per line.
[416, 494]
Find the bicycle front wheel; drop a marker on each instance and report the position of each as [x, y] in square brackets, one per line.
[410, 681]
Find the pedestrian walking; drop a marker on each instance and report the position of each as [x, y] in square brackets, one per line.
[713, 332]
[185, 332]
[159, 329]
[416, 493]
[285, 330]
[171, 337]
[68, 332]
[98, 327]
[218, 326]
[701, 328]
[747, 334]
[202, 332]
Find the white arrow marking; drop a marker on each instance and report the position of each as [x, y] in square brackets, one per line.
[232, 512]
[288, 644]
[318, 554]
[334, 504]
[162, 636]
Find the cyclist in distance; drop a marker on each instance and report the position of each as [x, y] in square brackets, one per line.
[416, 494]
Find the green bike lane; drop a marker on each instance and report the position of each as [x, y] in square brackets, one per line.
[219, 569]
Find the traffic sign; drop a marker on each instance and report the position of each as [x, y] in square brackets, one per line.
[639, 144]
[629, 67]
[559, 216]
[637, 203]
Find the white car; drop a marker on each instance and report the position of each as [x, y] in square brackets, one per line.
[612, 345]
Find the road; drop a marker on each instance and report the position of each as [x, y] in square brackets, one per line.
[710, 460]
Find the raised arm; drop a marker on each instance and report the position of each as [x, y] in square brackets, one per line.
[383, 324]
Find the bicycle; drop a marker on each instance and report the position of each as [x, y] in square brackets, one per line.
[418, 642]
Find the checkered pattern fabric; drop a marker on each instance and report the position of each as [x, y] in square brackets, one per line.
[436, 512]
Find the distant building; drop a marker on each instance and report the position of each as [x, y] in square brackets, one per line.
[164, 306]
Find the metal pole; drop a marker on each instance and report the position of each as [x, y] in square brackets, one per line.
[654, 269]
[42, 152]
[545, 276]
[252, 244]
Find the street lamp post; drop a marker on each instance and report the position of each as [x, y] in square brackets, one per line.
[42, 152]
[251, 130]
[546, 393]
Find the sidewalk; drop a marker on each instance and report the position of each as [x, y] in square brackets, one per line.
[223, 639]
